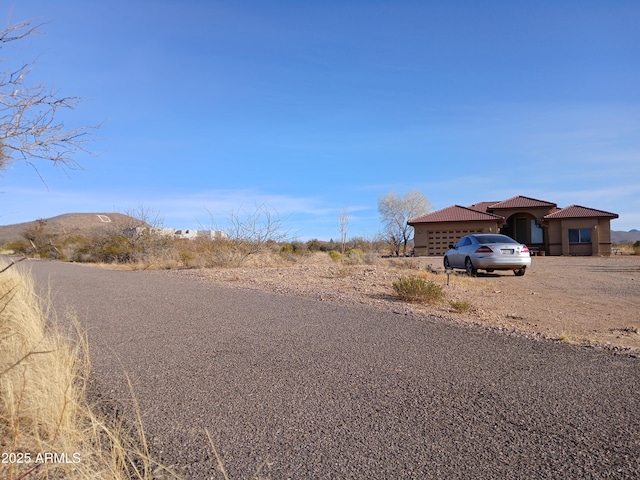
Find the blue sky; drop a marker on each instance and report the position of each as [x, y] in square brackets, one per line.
[313, 107]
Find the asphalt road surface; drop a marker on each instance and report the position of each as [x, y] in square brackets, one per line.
[294, 388]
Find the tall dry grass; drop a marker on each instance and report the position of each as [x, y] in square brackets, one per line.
[47, 428]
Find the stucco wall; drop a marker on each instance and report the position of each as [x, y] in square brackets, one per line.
[600, 244]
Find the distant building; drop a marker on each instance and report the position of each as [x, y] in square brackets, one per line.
[541, 225]
[172, 232]
[189, 234]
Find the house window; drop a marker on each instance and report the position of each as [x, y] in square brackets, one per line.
[537, 234]
[579, 235]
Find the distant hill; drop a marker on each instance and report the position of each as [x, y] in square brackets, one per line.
[70, 224]
[631, 236]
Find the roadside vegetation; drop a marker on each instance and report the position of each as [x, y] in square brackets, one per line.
[415, 289]
[256, 239]
[418, 289]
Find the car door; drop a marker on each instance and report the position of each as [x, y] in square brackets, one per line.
[460, 253]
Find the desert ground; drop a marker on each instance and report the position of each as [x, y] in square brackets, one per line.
[594, 301]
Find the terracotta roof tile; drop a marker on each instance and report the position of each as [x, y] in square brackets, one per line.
[481, 206]
[522, 202]
[577, 211]
[456, 213]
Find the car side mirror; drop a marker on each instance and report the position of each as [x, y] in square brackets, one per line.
[451, 246]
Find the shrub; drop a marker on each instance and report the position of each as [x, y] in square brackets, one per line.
[355, 254]
[462, 306]
[335, 256]
[636, 247]
[18, 246]
[371, 258]
[286, 248]
[316, 245]
[187, 258]
[414, 289]
[406, 263]
[295, 249]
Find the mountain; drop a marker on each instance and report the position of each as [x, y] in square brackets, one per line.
[631, 236]
[70, 224]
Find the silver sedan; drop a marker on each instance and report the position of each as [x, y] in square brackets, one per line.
[488, 251]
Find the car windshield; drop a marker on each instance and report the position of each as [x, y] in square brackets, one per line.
[486, 239]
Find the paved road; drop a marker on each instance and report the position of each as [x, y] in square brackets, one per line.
[294, 388]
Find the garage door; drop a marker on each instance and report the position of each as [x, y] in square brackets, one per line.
[438, 241]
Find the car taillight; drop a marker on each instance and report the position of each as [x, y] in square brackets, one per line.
[484, 249]
[525, 249]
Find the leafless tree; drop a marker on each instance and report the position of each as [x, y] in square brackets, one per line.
[256, 229]
[30, 128]
[343, 218]
[396, 211]
[142, 216]
[249, 233]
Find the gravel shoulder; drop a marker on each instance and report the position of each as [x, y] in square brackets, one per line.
[581, 300]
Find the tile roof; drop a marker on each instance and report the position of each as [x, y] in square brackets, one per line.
[522, 202]
[481, 206]
[456, 213]
[577, 211]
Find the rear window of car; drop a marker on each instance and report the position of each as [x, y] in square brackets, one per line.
[485, 239]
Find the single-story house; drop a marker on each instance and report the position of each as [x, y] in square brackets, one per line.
[542, 226]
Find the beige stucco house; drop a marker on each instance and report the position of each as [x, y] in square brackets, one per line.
[542, 226]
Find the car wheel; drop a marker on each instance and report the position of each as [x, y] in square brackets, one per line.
[520, 271]
[471, 271]
[446, 263]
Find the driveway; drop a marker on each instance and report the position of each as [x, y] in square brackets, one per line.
[291, 387]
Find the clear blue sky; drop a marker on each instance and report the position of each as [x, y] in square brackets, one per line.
[312, 107]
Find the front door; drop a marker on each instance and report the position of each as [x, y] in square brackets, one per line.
[522, 232]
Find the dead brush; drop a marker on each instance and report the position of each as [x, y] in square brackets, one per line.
[405, 263]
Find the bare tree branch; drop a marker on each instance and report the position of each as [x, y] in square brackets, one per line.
[30, 125]
[251, 233]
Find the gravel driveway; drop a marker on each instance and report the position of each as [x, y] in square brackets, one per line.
[297, 388]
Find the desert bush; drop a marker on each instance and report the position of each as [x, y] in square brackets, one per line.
[19, 246]
[335, 255]
[462, 306]
[187, 258]
[316, 245]
[371, 258]
[144, 247]
[636, 247]
[406, 263]
[286, 248]
[355, 255]
[414, 289]
[37, 241]
[42, 242]
[294, 251]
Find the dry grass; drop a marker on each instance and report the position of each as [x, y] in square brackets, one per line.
[47, 429]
